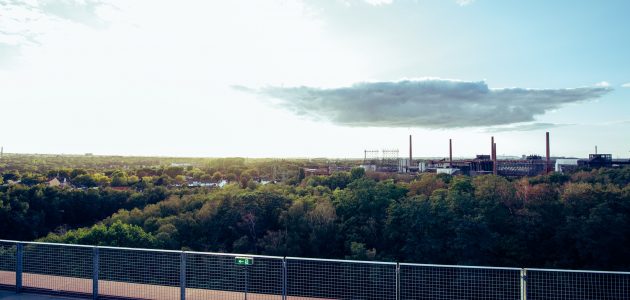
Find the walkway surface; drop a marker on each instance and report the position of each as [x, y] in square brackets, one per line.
[6, 295]
[83, 286]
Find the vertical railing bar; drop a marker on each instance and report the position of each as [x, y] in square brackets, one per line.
[523, 284]
[246, 280]
[284, 278]
[19, 267]
[182, 276]
[95, 270]
[397, 281]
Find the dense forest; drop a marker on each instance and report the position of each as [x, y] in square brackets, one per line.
[578, 220]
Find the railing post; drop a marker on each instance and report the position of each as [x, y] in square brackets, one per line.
[19, 267]
[182, 276]
[284, 278]
[523, 284]
[397, 281]
[95, 270]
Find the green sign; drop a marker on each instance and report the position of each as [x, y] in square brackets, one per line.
[244, 261]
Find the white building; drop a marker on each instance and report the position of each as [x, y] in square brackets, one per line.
[565, 162]
[449, 171]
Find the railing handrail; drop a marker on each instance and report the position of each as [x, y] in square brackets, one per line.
[341, 260]
[47, 243]
[461, 266]
[578, 271]
[234, 254]
[317, 259]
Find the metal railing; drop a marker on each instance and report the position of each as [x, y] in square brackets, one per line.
[129, 273]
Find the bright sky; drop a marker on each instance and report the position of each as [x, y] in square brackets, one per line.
[313, 78]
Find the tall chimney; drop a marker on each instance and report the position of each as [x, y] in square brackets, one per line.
[410, 156]
[492, 148]
[450, 152]
[492, 154]
[595, 149]
[547, 170]
[494, 158]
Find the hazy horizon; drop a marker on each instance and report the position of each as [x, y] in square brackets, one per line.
[402, 155]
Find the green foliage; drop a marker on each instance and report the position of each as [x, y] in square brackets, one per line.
[117, 234]
[357, 173]
[555, 220]
[31, 212]
[119, 178]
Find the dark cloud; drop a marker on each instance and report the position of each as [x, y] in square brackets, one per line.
[428, 103]
[526, 127]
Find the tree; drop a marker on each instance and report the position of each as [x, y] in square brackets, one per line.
[205, 178]
[230, 177]
[180, 179]
[132, 180]
[101, 179]
[117, 234]
[163, 180]
[301, 175]
[357, 173]
[418, 229]
[217, 176]
[76, 172]
[32, 179]
[13, 175]
[84, 181]
[362, 208]
[119, 178]
[173, 171]
[426, 185]
[337, 180]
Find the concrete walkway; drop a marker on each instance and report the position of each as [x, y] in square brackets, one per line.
[6, 295]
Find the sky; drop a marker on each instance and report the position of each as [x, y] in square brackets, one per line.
[314, 78]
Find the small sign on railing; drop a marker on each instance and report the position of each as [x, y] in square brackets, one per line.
[243, 261]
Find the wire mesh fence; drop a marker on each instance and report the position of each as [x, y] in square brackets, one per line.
[125, 273]
[337, 279]
[8, 263]
[570, 285]
[219, 276]
[138, 273]
[458, 282]
[54, 268]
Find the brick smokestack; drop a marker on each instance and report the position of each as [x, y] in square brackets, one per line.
[547, 169]
[494, 157]
[410, 155]
[492, 148]
[450, 152]
[492, 152]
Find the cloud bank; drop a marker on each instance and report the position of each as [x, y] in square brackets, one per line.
[426, 103]
[626, 85]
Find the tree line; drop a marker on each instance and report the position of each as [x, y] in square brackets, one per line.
[138, 172]
[580, 220]
[27, 213]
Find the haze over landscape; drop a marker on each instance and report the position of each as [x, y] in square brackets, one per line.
[315, 149]
[313, 78]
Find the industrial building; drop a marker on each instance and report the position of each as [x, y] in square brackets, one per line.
[530, 165]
